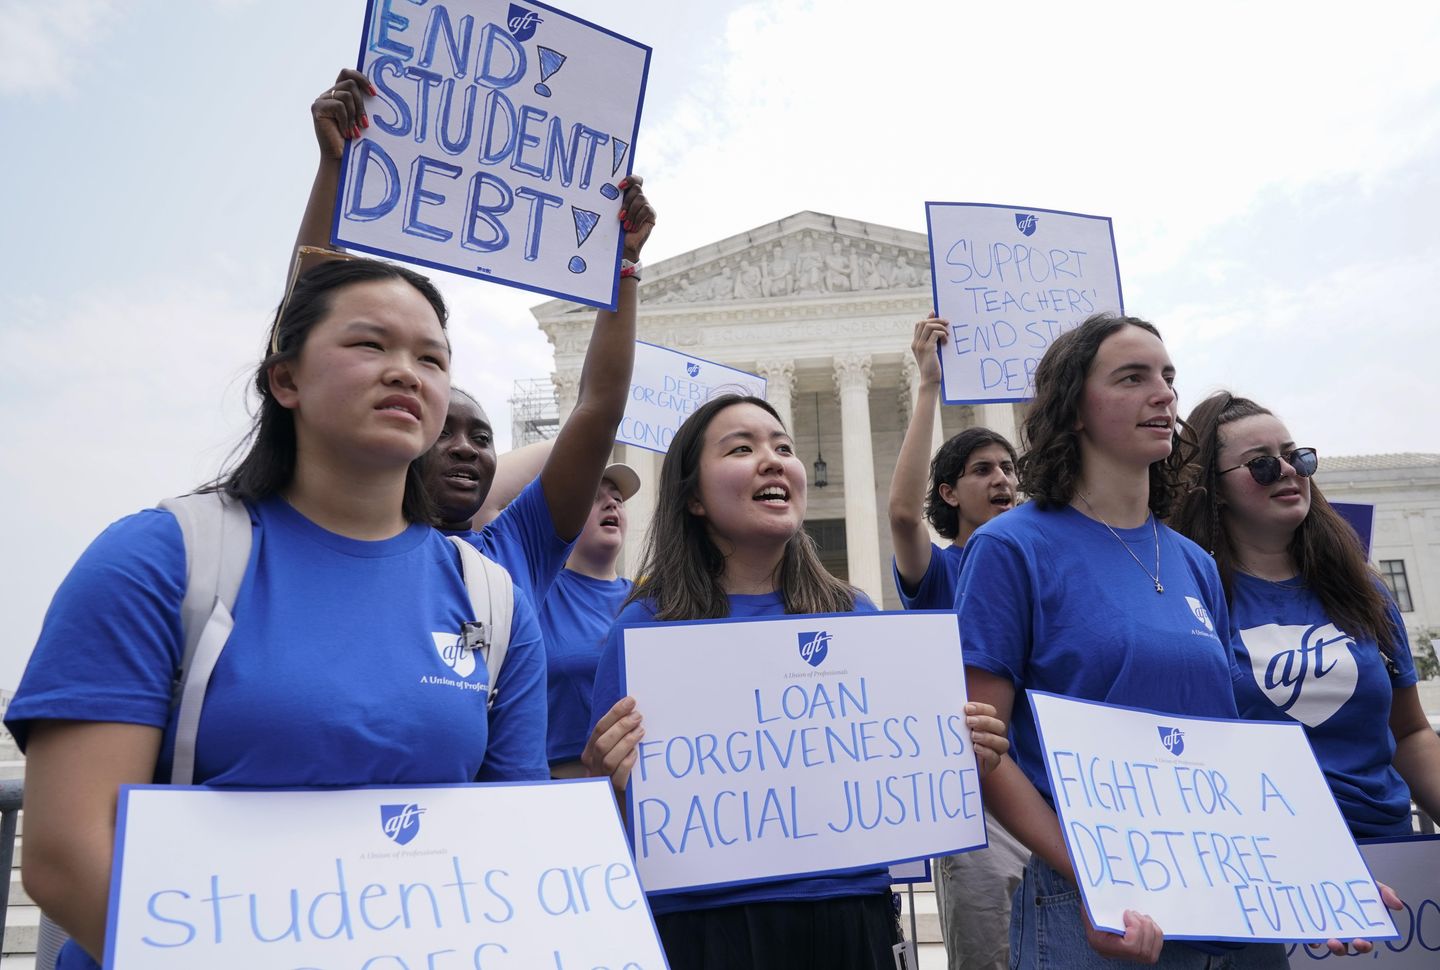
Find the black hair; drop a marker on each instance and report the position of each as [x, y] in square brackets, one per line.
[947, 467]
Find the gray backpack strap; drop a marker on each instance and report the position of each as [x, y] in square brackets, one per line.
[217, 534]
[492, 597]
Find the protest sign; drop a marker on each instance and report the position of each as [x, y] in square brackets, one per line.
[1220, 830]
[667, 386]
[533, 875]
[1411, 867]
[497, 142]
[791, 746]
[1361, 518]
[1010, 280]
[910, 872]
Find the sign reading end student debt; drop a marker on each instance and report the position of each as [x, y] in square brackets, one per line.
[1220, 830]
[497, 143]
[667, 386]
[469, 876]
[792, 746]
[1010, 280]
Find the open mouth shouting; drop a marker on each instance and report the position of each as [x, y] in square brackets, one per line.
[775, 496]
[465, 477]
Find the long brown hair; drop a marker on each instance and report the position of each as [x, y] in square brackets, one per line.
[1050, 467]
[1325, 549]
[682, 567]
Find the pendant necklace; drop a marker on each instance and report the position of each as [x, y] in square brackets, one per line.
[1155, 576]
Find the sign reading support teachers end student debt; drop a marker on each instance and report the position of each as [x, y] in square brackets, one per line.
[468, 876]
[497, 144]
[668, 386]
[1010, 280]
[791, 746]
[1220, 830]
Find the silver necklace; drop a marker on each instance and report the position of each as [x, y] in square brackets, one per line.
[1155, 576]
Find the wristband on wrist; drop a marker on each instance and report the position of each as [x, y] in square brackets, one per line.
[631, 268]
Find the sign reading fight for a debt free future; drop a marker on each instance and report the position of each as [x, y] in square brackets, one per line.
[1411, 867]
[470, 876]
[667, 386]
[497, 143]
[1010, 280]
[789, 746]
[1220, 830]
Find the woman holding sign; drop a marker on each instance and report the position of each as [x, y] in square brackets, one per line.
[350, 660]
[1316, 637]
[1082, 592]
[728, 540]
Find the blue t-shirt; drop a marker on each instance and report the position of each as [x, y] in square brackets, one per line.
[522, 539]
[850, 882]
[574, 619]
[1052, 601]
[936, 589]
[1297, 665]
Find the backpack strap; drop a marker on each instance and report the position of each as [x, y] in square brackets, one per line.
[217, 534]
[492, 597]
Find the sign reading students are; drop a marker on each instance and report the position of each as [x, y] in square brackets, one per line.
[497, 143]
[667, 386]
[798, 745]
[531, 875]
[1010, 280]
[1220, 830]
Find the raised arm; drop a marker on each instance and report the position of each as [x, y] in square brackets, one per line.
[73, 774]
[571, 475]
[513, 471]
[338, 115]
[912, 469]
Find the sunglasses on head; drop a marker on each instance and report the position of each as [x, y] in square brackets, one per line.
[1265, 469]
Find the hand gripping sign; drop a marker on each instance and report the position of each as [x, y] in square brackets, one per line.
[496, 144]
[1220, 830]
[1010, 280]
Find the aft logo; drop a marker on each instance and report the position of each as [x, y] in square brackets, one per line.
[455, 654]
[814, 646]
[522, 22]
[1201, 614]
[1023, 221]
[1173, 739]
[400, 823]
[692, 368]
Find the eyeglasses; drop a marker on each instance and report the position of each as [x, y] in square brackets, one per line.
[300, 253]
[1265, 469]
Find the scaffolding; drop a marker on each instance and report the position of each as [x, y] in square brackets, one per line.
[534, 411]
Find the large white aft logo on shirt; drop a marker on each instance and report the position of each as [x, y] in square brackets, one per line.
[1306, 671]
[456, 655]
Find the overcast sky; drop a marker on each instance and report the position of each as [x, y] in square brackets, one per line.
[1272, 171]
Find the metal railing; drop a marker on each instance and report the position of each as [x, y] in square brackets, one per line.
[11, 792]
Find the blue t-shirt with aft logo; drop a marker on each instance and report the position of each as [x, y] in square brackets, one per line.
[1297, 665]
[936, 589]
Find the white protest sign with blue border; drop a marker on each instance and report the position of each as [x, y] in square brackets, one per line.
[1010, 280]
[508, 875]
[667, 386]
[496, 144]
[800, 745]
[1219, 830]
[1411, 867]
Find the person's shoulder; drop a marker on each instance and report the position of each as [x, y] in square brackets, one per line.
[1024, 525]
[864, 604]
[1197, 557]
[636, 611]
[147, 535]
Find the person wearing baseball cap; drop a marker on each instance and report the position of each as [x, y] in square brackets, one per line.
[576, 614]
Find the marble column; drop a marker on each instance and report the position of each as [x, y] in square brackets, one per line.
[779, 388]
[640, 508]
[567, 392]
[912, 384]
[999, 418]
[862, 524]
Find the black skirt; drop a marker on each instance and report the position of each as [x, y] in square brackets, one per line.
[847, 933]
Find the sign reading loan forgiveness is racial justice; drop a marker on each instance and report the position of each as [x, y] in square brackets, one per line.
[496, 144]
[1220, 830]
[472, 876]
[668, 386]
[780, 747]
[1009, 281]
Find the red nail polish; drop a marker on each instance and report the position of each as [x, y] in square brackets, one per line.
[365, 121]
[373, 92]
[357, 131]
[622, 215]
[624, 183]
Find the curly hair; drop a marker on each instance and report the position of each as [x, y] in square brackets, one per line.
[1050, 467]
[1326, 550]
[948, 466]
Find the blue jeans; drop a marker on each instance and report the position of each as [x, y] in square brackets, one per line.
[1047, 932]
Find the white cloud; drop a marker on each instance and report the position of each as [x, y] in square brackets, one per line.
[44, 47]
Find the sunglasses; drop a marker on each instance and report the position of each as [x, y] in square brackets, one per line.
[300, 253]
[1265, 469]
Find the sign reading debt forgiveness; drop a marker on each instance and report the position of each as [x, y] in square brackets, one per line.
[1220, 830]
[667, 386]
[1411, 867]
[791, 746]
[497, 144]
[395, 878]
[1009, 281]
